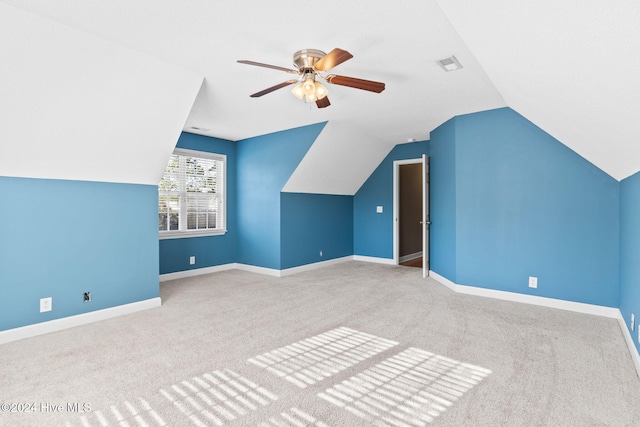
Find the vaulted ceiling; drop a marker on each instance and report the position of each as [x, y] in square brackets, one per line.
[139, 72]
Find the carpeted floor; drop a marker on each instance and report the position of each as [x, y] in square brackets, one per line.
[355, 344]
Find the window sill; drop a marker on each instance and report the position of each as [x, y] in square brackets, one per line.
[191, 233]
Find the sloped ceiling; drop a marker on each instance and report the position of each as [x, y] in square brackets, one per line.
[73, 106]
[568, 68]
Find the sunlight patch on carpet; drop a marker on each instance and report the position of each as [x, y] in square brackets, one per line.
[217, 398]
[313, 359]
[409, 389]
[293, 417]
[126, 414]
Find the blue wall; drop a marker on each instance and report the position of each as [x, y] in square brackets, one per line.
[311, 223]
[442, 207]
[526, 205]
[372, 231]
[266, 228]
[62, 238]
[264, 164]
[630, 251]
[208, 250]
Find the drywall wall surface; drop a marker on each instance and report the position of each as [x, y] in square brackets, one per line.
[630, 252]
[61, 238]
[264, 164]
[373, 230]
[442, 190]
[315, 228]
[526, 205]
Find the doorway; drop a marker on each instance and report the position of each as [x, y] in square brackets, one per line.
[411, 213]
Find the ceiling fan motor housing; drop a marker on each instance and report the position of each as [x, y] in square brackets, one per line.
[307, 58]
[310, 63]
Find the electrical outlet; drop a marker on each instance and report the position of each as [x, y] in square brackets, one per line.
[533, 282]
[633, 321]
[86, 297]
[46, 304]
[321, 253]
[378, 209]
[192, 260]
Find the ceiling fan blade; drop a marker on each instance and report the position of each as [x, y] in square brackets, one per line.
[323, 103]
[356, 83]
[274, 67]
[332, 59]
[272, 88]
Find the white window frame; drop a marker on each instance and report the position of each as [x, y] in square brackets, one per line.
[184, 233]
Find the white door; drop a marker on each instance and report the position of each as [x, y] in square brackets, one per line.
[425, 216]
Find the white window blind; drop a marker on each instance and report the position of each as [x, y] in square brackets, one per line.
[191, 194]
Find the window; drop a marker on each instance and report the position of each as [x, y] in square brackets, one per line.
[191, 199]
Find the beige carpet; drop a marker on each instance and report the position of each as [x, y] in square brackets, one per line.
[355, 344]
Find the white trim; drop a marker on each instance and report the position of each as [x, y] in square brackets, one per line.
[578, 307]
[388, 261]
[198, 153]
[396, 204]
[260, 270]
[253, 269]
[443, 280]
[409, 257]
[174, 234]
[77, 320]
[313, 266]
[272, 271]
[183, 232]
[629, 340]
[426, 262]
[196, 272]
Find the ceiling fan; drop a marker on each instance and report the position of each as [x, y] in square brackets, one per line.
[310, 64]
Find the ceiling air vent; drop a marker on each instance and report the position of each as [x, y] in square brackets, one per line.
[450, 64]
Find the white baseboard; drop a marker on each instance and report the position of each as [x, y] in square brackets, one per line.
[313, 266]
[443, 280]
[292, 270]
[388, 261]
[196, 272]
[409, 257]
[579, 307]
[270, 271]
[629, 340]
[597, 310]
[77, 320]
[260, 270]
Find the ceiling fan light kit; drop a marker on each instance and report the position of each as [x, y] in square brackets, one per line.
[310, 63]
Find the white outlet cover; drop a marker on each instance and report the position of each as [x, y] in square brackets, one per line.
[378, 209]
[633, 321]
[46, 304]
[192, 260]
[533, 282]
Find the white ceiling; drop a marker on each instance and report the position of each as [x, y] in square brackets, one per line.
[77, 107]
[567, 66]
